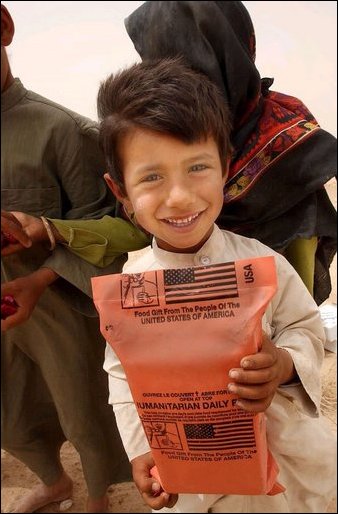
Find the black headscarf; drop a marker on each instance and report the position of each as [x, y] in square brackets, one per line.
[282, 158]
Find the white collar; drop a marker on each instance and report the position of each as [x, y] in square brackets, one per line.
[212, 252]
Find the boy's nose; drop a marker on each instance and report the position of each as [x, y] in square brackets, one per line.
[179, 195]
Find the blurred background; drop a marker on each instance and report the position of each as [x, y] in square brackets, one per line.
[63, 50]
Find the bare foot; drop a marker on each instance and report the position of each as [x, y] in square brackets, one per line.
[42, 495]
[97, 504]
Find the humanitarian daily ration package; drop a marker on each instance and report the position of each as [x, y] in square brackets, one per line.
[177, 333]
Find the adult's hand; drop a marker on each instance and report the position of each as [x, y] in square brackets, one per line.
[13, 236]
[26, 292]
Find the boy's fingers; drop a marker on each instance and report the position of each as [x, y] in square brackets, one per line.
[156, 488]
[264, 358]
[258, 361]
[172, 500]
[251, 393]
[145, 485]
[252, 377]
[158, 502]
[254, 405]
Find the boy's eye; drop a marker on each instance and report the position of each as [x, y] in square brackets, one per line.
[150, 178]
[198, 167]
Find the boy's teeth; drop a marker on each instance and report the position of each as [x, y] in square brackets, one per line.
[182, 220]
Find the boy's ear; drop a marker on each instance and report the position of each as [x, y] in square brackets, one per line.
[7, 27]
[116, 190]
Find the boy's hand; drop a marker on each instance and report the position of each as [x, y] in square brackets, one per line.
[259, 376]
[26, 292]
[150, 489]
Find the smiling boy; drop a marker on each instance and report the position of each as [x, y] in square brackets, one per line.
[177, 193]
[165, 136]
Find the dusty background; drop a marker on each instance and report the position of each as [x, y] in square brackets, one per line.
[17, 479]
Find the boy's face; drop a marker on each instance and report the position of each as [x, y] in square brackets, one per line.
[175, 189]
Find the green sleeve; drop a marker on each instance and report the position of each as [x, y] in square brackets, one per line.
[100, 241]
[301, 254]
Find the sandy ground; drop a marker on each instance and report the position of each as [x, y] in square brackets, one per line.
[17, 479]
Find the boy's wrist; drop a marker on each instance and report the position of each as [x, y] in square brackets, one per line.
[288, 370]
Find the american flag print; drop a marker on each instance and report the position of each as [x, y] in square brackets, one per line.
[217, 281]
[221, 436]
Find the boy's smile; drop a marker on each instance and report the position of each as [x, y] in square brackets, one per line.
[175, 189]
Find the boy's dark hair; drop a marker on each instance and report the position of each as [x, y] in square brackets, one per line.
[165, 96]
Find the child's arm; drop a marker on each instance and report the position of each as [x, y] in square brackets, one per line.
[97, 241]
[100, 241]
[150, 489]
[259, 376]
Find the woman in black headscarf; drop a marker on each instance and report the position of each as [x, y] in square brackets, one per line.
[281, 159]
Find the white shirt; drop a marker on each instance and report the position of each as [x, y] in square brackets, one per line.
[298, 436]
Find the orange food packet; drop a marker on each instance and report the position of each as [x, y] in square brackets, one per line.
[177, 333]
